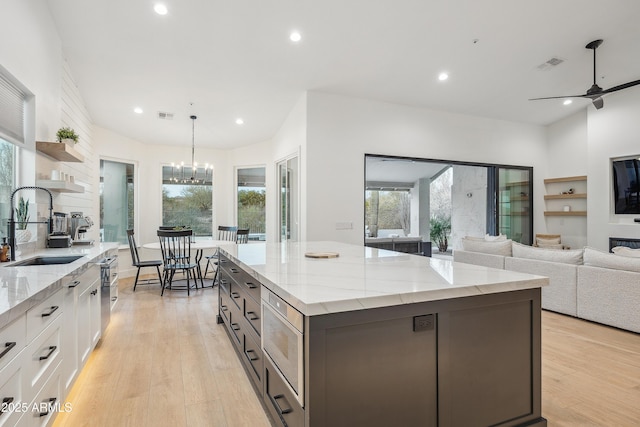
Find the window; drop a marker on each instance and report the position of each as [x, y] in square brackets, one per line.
[116, 200]
[251, 201]
[387, 212]
[7, 182]
[187, 204]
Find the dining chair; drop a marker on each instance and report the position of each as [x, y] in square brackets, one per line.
[135, 259]
[176, 255]
[225, 232]
[242, 235]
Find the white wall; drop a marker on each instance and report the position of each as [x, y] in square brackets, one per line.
[468, 203]
[341, 130]
[613, 131]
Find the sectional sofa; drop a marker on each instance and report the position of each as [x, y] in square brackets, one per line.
[584, 283]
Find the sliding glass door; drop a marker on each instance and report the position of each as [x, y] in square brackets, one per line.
[514, 187]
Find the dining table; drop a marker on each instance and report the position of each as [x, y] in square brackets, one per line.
[199, 245]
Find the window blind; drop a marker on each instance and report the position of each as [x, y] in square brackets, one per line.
[11, 111]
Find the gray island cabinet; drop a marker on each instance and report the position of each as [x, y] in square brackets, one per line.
[380, 338]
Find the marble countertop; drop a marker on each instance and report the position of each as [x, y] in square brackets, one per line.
[24, 287]
[363, 277]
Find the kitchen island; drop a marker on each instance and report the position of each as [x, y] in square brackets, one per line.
[381, 338]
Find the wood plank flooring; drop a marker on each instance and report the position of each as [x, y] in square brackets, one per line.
[165, 362]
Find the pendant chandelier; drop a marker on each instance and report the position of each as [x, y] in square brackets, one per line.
[192, 174]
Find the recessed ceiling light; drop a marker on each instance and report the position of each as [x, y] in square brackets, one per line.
[295, 36]
[160, 9]
[443, 76]
[138, 110]
[567, 102]
[239, 121]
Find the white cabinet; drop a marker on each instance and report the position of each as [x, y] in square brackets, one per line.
[88, 321]
[73, 287]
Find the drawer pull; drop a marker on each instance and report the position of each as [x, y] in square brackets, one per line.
[234, 270]
[235, 295]
[235, 326]
[7, 348]
[278, 407]
[223, 261]
[53, 309]
[73, 284]
[114, 299]
[254, 358]
[250, 285]
[223, 308]
[51, 401]
[51, 350]
[94, 292]
[5, 404]
[252, 315]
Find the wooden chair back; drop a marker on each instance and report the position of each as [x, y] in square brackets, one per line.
[242, 235]
[135, 258]
[175, 247]
[227, 232]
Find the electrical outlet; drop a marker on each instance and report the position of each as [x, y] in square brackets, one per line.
[423, 323]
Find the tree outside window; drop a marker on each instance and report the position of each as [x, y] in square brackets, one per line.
[187, 205]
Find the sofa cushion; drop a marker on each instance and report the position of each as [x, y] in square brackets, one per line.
[498, 238]
[495, 248]
[626, 251]
[573, 256]
[598, 258]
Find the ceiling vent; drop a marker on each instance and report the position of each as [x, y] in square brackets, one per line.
[553, 62]
[165, 116]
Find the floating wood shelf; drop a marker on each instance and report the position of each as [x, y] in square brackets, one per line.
[60, 186]
[59, 151]
[565, 179]
[565, 196]
[565, 213]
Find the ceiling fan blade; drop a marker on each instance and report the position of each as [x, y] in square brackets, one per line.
[622, 86]
[558, 97]
[598, 102]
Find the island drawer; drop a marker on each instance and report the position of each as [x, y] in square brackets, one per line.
[250, 285]
[252, 313]
[253, 357]
[224, 304]
[279, 400]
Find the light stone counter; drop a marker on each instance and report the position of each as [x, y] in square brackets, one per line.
[363, 277]
[24, 287]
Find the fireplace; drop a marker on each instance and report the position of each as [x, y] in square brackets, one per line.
[623, 241]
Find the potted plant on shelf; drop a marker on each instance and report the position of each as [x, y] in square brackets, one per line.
[22, 218]
[67, 135]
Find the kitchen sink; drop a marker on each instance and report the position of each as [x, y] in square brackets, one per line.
[47, 260]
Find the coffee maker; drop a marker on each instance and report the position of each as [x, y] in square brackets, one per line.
[79, 225]
[59, 237]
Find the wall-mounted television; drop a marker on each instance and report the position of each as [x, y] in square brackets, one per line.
[626, 185]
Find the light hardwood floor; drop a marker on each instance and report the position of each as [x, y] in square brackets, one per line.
[165, 362]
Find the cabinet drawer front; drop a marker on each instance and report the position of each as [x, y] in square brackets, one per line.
[43, 355]
[12, 340]
[11, 393]
[236, 294]
[253, 357]
[248, 284]
[253, 316]
[225, 282]
[40, 316]
[47, 403]
[224, 303]
[235, 326]
[81, 282]
[280, 402]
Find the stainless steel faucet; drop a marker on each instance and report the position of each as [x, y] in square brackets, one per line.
[12, 221]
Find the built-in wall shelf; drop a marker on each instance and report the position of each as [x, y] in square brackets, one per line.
[565, 213]
[565, 179]
[60, 186]
[565, 196]
[59, 151]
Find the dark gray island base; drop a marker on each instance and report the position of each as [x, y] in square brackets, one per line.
[468, 361]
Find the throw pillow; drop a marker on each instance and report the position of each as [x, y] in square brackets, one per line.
[573, 257]
[596, 258]
[626, 251]
[494, 248]
[477, 239]
[543, 242]
[498, 238]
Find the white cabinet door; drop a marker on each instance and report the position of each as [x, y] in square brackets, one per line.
[84, 322]
[96, 318]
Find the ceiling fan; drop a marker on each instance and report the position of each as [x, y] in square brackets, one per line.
[595, 92]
